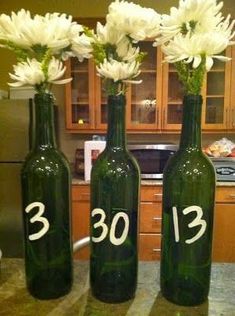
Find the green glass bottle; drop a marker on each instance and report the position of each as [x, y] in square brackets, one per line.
[115, 181]
[188, 206]
[46, 189]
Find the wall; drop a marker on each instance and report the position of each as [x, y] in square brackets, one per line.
[87, 8]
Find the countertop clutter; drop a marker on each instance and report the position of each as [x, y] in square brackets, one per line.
[15, 299]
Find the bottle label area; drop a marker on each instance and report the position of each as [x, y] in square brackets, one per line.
[196, 222]
[117, 236]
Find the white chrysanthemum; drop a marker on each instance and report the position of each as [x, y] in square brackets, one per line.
[193, 48]
[126, 51]
[116, 70]
[24, 31]
[30, 73]
[137, 22]
[192, 16]
[108, 34]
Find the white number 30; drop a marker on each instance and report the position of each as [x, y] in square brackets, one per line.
[113, 239]
[38, 218]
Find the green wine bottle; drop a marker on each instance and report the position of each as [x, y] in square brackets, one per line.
[46, 183]
[188, 206]
[115, 181]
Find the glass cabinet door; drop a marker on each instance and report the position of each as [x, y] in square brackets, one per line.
[79, 95]
[216, 96]
[101, 105]
[173, 99]
[215, 93]
[143, 99]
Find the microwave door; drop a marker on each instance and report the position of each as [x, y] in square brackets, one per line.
[152, 161]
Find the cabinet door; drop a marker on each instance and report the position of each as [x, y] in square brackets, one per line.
[81, 217]
[231, 110]
[80, 95]
[224, 237]
[101, 112]
[172, 99]
[216, 94]
[145, 99]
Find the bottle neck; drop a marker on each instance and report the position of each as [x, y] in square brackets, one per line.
[191, 126]
[116, 134]
[44, 121]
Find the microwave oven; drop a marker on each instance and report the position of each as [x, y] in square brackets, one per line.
[152, 158]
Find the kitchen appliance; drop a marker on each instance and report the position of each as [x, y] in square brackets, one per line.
[152, 158]
[16, 138]
[224, 168]
[14, 146]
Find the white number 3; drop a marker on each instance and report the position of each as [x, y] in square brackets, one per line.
[38, 218]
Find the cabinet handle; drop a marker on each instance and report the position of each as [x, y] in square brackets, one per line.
[233, 121]
[226, 118]
[156, 249]
[157, 218]
[146, 203]
[158, 195]
[85, 194]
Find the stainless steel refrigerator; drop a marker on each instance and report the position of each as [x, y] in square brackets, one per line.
[14, 146]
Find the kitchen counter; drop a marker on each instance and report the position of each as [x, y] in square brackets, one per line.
[15, 299]
[79, 181]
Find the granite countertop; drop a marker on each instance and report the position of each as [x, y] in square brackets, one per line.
[15, 299]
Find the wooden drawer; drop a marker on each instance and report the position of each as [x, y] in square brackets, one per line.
[225, 194]
[150, 217]
[151, 193]
[80, 193]
[149, 247]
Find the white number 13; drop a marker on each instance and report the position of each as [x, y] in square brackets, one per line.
[198, 221]
[38, 218]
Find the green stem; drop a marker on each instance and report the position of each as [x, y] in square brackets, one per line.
[191, 78]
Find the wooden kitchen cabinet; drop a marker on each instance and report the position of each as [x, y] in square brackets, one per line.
[150, 222]
[81, 217]
[224, 225]
[86, 101]
[156, 103]
[216, 108]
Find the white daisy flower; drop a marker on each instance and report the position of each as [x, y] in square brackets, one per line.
[117, 71]
[30, 73]
[132, 19]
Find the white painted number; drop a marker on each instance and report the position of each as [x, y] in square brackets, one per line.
[113, 239]
[122, 238]
[198, 221]
[38, 218]
[100, 223]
